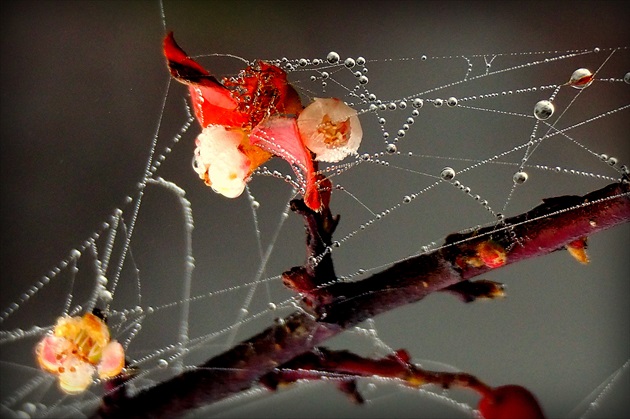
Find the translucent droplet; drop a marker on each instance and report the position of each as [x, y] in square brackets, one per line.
[332, 57]
[255, 204]
[438, 102]
[418, 103]
[406, 199]
[272, 306]
[75, 254]
[391, 148]
[162, 363]
[365, 157]
[612, 161]
[452, 101]
[302, 62]
[519, 178]
[317, 61]
[448, 173]
[401, 133]
[381, 121]
[581, 78]
[363, 80]
[402, 104]
[626, 77]
[349, 62]
[371, 97]
[106, 295]
[423, 58]
[543, 110]
[392, 106]
[325, 75]
[102, 280]
[29, 408]
[603, 157]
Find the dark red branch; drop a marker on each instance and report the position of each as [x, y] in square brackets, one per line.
[546, 228]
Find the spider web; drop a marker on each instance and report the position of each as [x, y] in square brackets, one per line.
[97, 184]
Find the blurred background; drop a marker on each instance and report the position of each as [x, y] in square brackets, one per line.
[82, 91]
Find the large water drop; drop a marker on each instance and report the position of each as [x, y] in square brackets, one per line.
[543, 110]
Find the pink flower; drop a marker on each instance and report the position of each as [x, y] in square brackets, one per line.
[78, 348]
[330, 129]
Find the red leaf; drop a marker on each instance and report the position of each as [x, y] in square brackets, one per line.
[280, 136]
[212, 102]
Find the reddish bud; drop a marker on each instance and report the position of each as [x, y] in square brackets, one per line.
[510, 402]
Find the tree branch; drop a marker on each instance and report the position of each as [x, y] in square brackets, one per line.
[331, 309]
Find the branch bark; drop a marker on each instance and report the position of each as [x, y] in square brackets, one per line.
[331, 309]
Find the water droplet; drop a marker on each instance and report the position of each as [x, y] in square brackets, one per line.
[452, 101]
[106, 296]
[349, 62]
[612, 161]
[391, 148]
[363, 80]
[423, 58]
[581, 78]
[272, 306]
[603, 157]
[332, 57]
[520, 177]
[626, 77]
[543, 110]
[317, 61]
[447, 173]
[406, 199]
[162, 363]
[365, 157]
[102, 280]
[29, 408]
[410, 120]
[596, 50]
[438, 102]
[418, 103]
[255, 205]
[401, 133]
[381, 121]
[392, 106]
[402, 104]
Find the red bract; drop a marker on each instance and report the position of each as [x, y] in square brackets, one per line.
[277, 135]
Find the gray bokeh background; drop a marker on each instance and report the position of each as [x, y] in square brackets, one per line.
[82, 86]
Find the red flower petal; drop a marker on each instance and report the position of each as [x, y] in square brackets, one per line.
[212, 102]
[280, 136]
